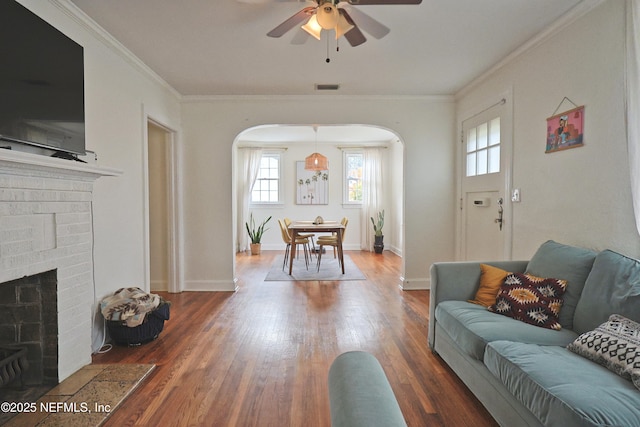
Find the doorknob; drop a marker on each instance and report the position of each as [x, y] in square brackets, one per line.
[500, 211]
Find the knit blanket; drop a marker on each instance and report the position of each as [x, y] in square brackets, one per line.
[129, 305]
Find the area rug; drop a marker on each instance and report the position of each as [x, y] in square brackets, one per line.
[329, 270]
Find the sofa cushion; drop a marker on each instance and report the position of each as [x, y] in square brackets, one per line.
[615, 345]
[570, 263]
[491, 278]
[561, 388]
[533, 300]
[472, 326]
[613, 287]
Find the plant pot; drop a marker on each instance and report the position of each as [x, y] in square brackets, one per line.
[378, 244]
[255, 248]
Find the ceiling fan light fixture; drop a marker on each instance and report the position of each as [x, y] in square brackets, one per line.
[342, 26]
[316, 162]
[327, 16]
[313, 27]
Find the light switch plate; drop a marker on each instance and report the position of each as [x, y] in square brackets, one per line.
[515, 195]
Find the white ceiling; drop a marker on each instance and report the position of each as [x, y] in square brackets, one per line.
[220, 47]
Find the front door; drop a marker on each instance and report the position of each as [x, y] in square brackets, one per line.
[485, 213]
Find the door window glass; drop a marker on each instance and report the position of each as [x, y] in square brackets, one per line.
[483, 148]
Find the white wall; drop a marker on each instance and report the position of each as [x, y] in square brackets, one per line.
[119, 95]
[394, 236]
[579, 196]
[426, 125]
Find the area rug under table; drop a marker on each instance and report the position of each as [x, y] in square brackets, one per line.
[329, 270]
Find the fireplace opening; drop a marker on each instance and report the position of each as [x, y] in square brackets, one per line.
[29, 332]
[13, 363]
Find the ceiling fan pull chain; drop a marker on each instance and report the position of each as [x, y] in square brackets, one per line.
[328, 59]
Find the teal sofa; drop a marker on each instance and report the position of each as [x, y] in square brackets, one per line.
[524, 374]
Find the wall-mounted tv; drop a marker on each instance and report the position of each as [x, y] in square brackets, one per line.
[41, 84]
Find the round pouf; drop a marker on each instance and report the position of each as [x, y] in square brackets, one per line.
[360, 394]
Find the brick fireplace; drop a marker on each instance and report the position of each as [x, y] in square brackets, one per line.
[46, 227]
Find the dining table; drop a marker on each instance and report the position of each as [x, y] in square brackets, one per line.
[297, 227]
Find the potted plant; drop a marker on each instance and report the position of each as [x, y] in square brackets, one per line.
[378, 245]
[255, 233]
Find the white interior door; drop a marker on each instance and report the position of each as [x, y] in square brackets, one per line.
[485, 212]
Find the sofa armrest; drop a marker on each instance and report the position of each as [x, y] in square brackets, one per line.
[459, 281]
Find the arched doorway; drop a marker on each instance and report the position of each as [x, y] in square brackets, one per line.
[291, 144]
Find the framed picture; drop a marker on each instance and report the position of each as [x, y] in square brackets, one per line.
[312, 187]
[565, 130]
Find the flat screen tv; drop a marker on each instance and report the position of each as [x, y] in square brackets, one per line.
[41, 84]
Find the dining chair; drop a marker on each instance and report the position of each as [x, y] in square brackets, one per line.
[331, 241]
[286, 238]
[310, 236]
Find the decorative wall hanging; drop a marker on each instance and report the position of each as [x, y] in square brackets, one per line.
[565, 130]
[312, 187]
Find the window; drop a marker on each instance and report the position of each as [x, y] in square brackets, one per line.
[483, 148]
[266, 188]
[353, 162]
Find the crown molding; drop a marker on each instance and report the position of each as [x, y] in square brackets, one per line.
[195, 99]
[574, 14]
[100, 34]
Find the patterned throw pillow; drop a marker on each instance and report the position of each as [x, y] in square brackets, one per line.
[615, 345]
[531, 299]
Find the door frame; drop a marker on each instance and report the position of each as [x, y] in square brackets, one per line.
[175, 281]
[506, 135]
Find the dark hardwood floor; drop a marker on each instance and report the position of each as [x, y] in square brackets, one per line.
[260, 356]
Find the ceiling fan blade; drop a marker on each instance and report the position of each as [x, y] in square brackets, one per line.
[368, 24]
[296, 19]
[368, 2]
[354, 36]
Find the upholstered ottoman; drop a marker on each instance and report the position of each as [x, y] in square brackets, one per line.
[360, 395]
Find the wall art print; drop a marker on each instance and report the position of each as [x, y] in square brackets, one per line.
[565, 130]
[312, 187]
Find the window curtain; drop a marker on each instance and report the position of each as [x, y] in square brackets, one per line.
[371, 195]
[632, 101]
[249, 168]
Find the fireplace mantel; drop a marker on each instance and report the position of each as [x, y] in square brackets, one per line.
[17, 162]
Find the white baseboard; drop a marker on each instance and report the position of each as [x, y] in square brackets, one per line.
[415, 284]
[210, 285]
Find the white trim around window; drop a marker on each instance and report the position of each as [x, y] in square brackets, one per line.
[268, 185]
[352, 167]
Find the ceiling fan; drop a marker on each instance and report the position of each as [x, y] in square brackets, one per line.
[331, 15]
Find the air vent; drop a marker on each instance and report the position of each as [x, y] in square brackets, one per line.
[327, 86]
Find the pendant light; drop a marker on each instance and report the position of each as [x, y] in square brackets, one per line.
[316, 161]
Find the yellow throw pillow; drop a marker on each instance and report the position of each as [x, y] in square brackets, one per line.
[491, 278]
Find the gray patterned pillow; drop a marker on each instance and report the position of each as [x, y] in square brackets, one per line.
[614, 344]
